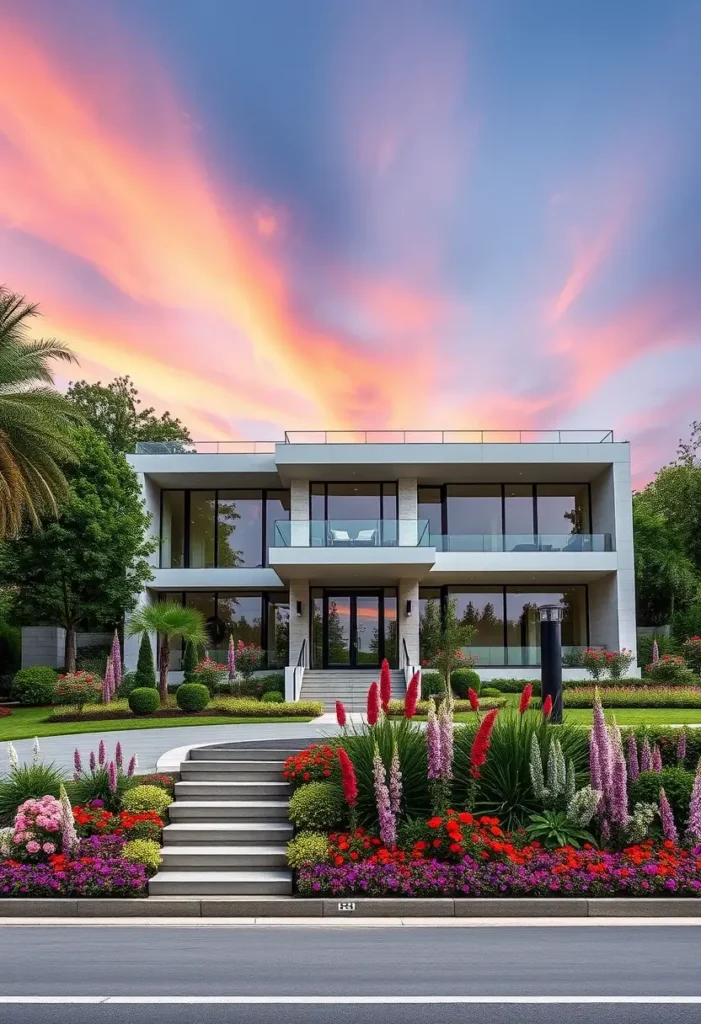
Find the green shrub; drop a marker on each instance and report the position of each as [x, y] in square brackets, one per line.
[396, 707]
[490, 691]
[76, 689]
[515, 685]
[144, 700]
[192, 697]
[211, 674]
[628, 682]
[670, 668]
[273, 697]
[318, 806]
[307, 848]
[665, 645]
[145, 672]
[24, 782]
[462, 680]
[143, 851]
[676, 697]
[504, 788]
[128, 683]
[677, 784]
[431, 682]
[244, 707]
[411, 832]
[146, 798]
[35, 685]
[667, 738]
[93, 658]
[190, 660]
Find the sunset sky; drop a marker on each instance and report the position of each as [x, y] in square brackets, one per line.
[326, 213]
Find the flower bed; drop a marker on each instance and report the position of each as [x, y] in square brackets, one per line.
[638, 697]
[230, 706]
[396, 707]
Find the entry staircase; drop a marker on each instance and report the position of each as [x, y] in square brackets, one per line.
[347, 685]
[228, 825]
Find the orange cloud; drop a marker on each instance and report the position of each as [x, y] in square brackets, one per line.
[148, 218]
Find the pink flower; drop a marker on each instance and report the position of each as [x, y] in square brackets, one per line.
[49, 848]
[33, 846]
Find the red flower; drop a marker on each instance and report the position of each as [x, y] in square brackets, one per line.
[473, 699]
[348, 779]
[547, 706]
[340, 714]
[385, 686]
[434, 822]
[480, 745]
[525, 698]
[412, 696]
[373, 704]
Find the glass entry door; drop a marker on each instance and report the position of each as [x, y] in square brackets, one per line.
[352, 629]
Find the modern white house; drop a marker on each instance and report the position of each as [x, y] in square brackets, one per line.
[334, 550]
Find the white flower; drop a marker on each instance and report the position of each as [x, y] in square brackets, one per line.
[37, 751]
[12, 756]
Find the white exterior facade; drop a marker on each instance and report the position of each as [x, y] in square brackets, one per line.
[381, 569]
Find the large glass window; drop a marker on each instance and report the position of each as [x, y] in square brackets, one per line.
[562, 509]
[240, 523]
[278, 631]
[173, 530]
[483, 608]
[519, 526]
[242, 616]
[474, 513]
[429, 621]
[202, 518]
[523, 621]
[430, 506]
[277, 507]
[391, 626]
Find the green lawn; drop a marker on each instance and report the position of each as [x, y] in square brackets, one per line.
[24, 723]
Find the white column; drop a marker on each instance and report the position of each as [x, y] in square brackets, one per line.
[625, 577]
[299, 513]
[409, 624]
[407, 510]
[299, 624]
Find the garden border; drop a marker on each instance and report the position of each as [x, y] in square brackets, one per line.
[216, 906]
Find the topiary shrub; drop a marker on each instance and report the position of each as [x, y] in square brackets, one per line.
[273, 697]
[192, 697]
[190, 660]
[517, 685]
[144, 700]
[490, 691]
[143, 851]
[318, 806]
[35, 685]
[308, 848]
[146, 798]
[431, 682]
[462, 680]
[677, 784]
[145, 672]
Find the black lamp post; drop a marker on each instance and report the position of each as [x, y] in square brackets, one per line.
[551, 616]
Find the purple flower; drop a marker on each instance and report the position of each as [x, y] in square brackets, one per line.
[669, 829]
[118, 756]
[132, 766]
[101, 753]
[645, 756]
[656, 759]
[445, 725]
[93, 762]
[681, 747]
[619, 780]
[433, 744]
[632, 751]
[116, 659]
[108, 683]
[395, 781]
[694, 828]
[77, 764]
[388, 824]
[112, 776]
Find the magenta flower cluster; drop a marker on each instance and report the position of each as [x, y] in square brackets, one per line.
[388, 822]
[37, 829]
[98, 874]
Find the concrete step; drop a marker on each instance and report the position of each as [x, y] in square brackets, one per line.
[231, 771]
[246, 753]
[208, 789]
[221, 883]
[226, 833]
[228, 810]
[223, 858]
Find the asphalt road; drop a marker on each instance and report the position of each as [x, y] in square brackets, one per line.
[394, 963]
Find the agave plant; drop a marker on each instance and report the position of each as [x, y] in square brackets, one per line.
[555, 829]
[505, 789]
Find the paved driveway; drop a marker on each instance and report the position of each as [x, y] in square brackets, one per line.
[149, 744]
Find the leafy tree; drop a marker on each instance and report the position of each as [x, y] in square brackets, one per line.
[145, 675]
[171, 621]
[454, 635]
[88, 566]
[113, 411]
[666, 578]
[430, 629]
[35, 420]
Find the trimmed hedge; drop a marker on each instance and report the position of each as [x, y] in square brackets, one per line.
[273, 697]
[636, 698]
[192, 697]
[144, 700]
[237, 708]
[317, 806]
[396, 707]
[462, 680]
[513, 685]
[146, 798]
[431, 682]
[34, 685]
[246, 708]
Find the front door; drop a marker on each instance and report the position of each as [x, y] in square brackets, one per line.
[352, 629]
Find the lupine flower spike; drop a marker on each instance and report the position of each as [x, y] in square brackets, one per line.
[101, 753]
[547, 706]
[473, 699]
[132, 766]
[669, 829]
[373, 704]
[340, 714]
[116, 659]
[632, 751]
[112, 776]
[385, 686]
[77, 764]
[525, 698]
[412, 696]
[36, 751]
[69, 835]
[694, 829]
[118, 756]
[645, 756]
[395, 780]
[93, 761]
[12, 756]
[388, 824]
[656, 759]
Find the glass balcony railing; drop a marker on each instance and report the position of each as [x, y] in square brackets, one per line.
[496, 542]
[526, 656]
[351, 533]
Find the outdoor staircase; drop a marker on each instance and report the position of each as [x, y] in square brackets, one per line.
[347, 685]
[228, 825]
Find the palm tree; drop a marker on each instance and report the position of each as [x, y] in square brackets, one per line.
[170, 620]
[35, 420]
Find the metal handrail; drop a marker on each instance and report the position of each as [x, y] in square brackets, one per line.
[407, 659]
[302, 658]
[569, 436]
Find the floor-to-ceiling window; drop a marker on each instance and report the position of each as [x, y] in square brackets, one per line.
[430, 507]
[353, 627]
[365, 511]
[223, 529]
[506, 619]
[474, 517]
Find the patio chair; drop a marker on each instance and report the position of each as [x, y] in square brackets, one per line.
[366, 538]
[340, 538]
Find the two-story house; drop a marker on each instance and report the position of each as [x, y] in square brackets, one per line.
[334, 550]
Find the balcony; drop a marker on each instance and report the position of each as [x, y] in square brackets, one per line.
[358, 549]
[546, 542]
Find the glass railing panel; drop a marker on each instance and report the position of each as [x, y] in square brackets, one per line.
[497, 542]
[351, 533]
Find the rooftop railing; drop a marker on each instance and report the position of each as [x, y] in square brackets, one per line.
[205, 447]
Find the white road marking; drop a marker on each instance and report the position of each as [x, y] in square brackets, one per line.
[354, 922]
[267, 1000]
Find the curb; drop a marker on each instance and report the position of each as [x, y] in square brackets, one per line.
[307, 908]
